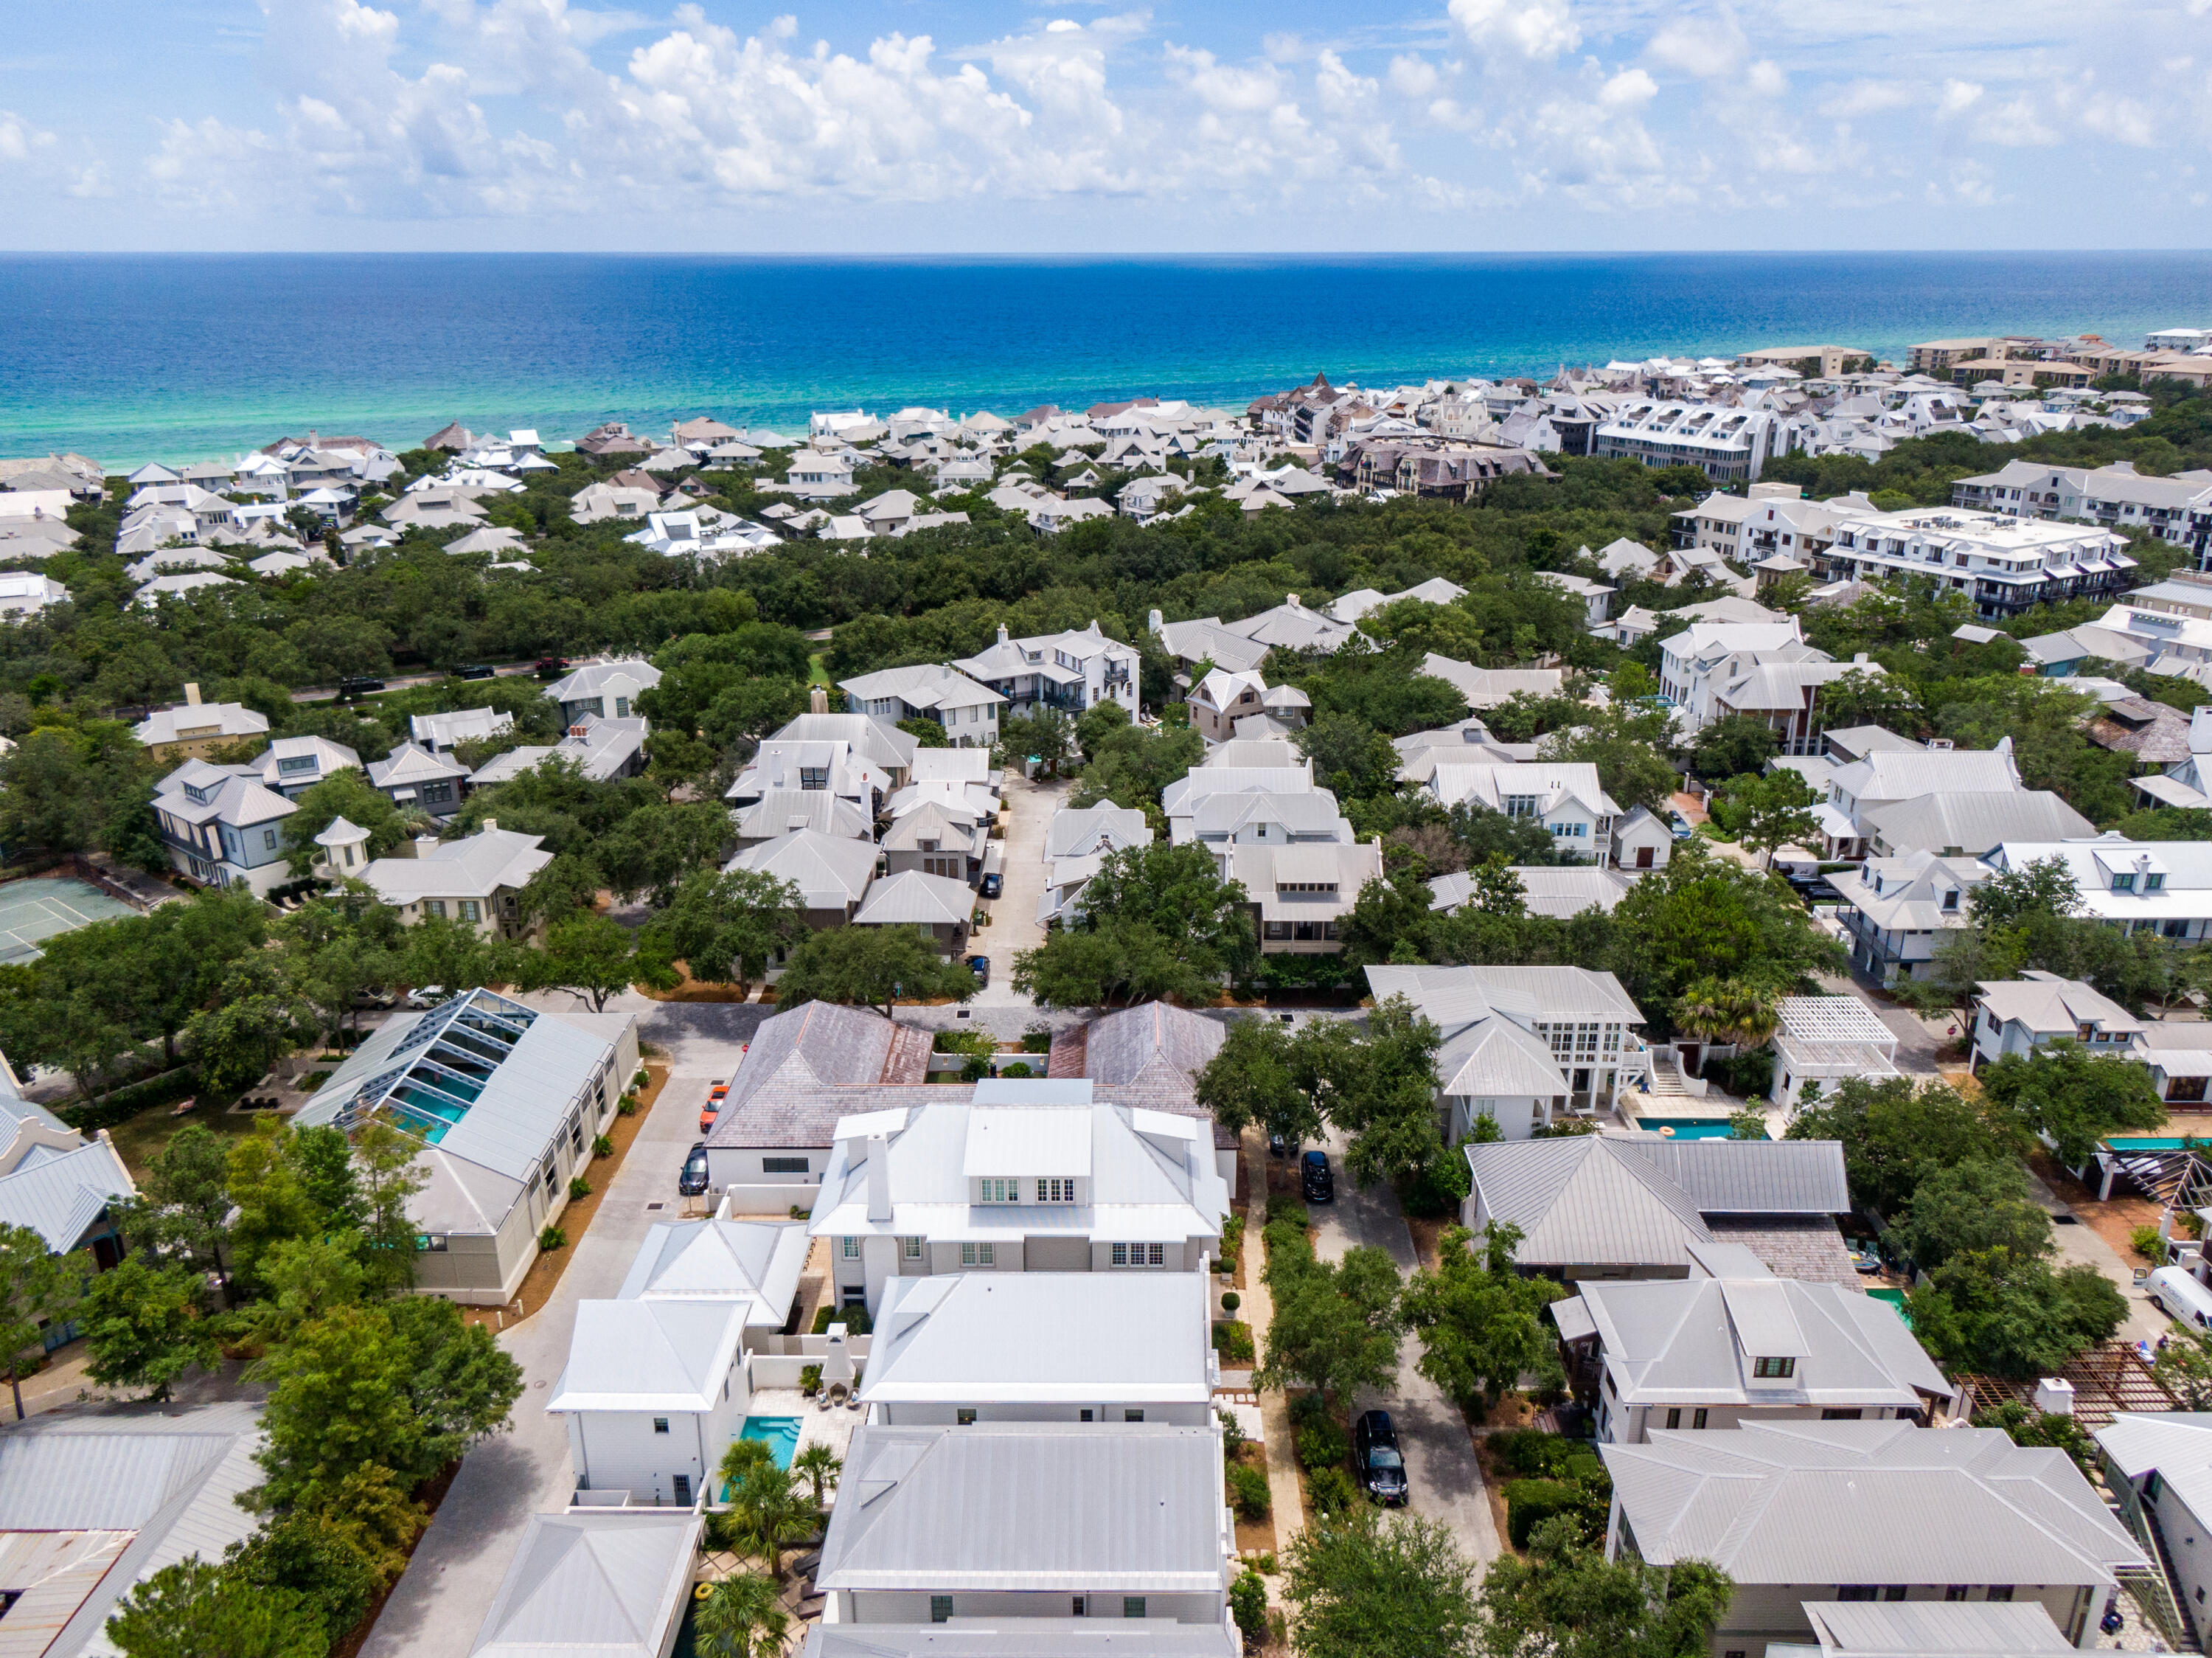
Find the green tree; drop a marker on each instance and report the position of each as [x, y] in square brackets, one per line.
[817, 1463]
[1863, 698]
[1041, 734]
[2013, 1315]
[870, 966]
[1378, 1085]
[1157, 922]
[389, 1172]
[1336, 1323]
[741, 1617]
[1774, 810]
[184, 1201]
[345, 794]
[1895, 1133]
[1566, 1600]
[1481, 1323]
[1624, 744]
[196, 1610]
[1707, 918]
[1969, 1206]
[260, 1013]
[2184, 1367]
[1730, 1011]
[143, 1327]
[1360, 1586]
[657, 847]
[1351, 758]
[725, 928]
[340, 1554]
[1249, 1080]
[591, 956]
[2042, 888]
[769, 1515]
[269, 1186]
[306, 1279]
[37, 1287]
[1733, 746]
[2073, 1097]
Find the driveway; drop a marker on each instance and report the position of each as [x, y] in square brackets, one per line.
[1440, 1460]
[440, 1603]
[1013, 912]
[1917, 1038]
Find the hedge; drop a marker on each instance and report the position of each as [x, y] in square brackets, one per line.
[121, 1105]
[1529, 1503]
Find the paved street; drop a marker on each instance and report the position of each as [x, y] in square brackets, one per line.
[1013, 912]
[436, 1609]
[1440, 1461]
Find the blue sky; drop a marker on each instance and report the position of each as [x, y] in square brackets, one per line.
[876, 126]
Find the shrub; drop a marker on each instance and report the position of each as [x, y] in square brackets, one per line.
[1530, 1451]
[976, 1069]
[1232, 1341]
[627, 1105]
[854, 1318]
[1232, 1235]
[552, 1238]
[1439, 1188]
[579, 1187]
[1307, 1406]
[1230, 1300]
[1248, 1489]
[1530, 1502]
[1331, 1491]
[1265, 1564]
[1037, 1041]
[639, 1080]
[1287, 1243]
[602, 1146]
[1018, 1068]
[2146, 1242]
[1232, 1434]
[810, 1380]
[1285, 1206]
[1322, 1444]
[1248, 1603]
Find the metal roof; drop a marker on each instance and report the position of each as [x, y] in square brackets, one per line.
[911, 897]
[1011, 1337]
[1934, 1629]
[649, 1356]
[1809, 1503]
[2176, 1443]
[756, 1263]
[59, 1194]
[1025, 1637]
[1125, 1508]
[1975, 824]
[1028, 1140]
[594, 1585]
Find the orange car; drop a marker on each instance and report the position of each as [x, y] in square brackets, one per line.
[715, 1095]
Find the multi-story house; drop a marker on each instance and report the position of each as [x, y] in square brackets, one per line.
[1070, 671]
[1565, 797]
[968, 712]
[1895, 909]
[1732, 1343]
[2019, 1016]
[1728, 445]
[442, 733]
[416, 779]
[198, 729]
[2154, 1462]
[2006, 565]
[1523, 1046]
[963, 1347]
[608, 689]
[222, 826]
[477, 881]
[2163, 887]
[1301, 893]
[1031, 1176]
[1801, 1514]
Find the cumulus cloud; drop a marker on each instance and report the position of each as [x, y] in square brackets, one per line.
[19, 139]
[1705, 47]
[1959, 97]
[2017, 123]
[1537, 29]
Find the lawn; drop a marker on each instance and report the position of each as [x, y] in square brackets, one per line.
[141, 1138]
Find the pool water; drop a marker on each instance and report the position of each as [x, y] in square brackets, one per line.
[1688, 1128]
[1895, 1298]
[2145, 1143]
[779, 1433]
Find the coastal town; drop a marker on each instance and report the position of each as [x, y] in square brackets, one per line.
[1569, 1010]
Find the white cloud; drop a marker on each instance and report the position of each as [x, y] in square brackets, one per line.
[2014, 124]
[1766, 79]
[1629, 89]
[2125, 120]
[1537, 29]
[1705, 47]
[1413, 78]
[1959, 97]
[19, 139]
[1865, 98]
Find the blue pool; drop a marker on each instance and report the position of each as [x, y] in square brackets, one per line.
[1687, 1128]
[2146, 1142]
[779, 1433]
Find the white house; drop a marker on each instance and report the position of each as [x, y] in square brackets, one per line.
[1565, 797]
[478, 881]
[965, 1347]
[1732, 1344]
[2163, 887]
[1895, 909]
[1301, 893]
[614, 1583]
[1027, 1176]
[1069, 671]
[653, 1392]
[1487, 687]
[2019, 1016]
[442, 733]
[929, 690]
[2159, 1463]
[1523, 1046]
[608, 689]
[1867, 1511]
[1827, 1039]
[1150, 1546]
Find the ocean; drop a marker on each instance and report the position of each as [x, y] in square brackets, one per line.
[129, 358]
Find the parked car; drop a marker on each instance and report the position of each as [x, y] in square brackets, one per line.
[993, 885]
[1278, 1147]
[476, 671]
[692, 1182]
[358, 685]
[1680, 826]
[1815, 889]
[716, 1093]
[1315, 1179]
[981, 966]
[426, 996]
[552, 667]
[375, 999]
[1374, 1454]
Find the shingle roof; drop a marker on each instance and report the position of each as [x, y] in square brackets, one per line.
[1818, 1503]
[1131, 1508]
[1154, 1043]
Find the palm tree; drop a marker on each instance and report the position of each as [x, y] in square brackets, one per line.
[816, 1463]
[741, 1459]
[768, 1514]
[740, 1618]
[1728, 1011]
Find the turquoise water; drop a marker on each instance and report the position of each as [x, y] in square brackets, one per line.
[2146, 1142]
[1688, 1128]
[779, 1433]
[176, 357]
[1895, 1298]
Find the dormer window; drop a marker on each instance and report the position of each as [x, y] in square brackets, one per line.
[1774, 1369]
[992, 1189]
[1951, 900]
[1055, 1190]
[2154, 882]
[2124, 882]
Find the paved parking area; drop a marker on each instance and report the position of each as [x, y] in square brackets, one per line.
[1013, 913]
[1440, 1461]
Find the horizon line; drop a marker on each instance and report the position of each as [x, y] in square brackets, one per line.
[1122, 257]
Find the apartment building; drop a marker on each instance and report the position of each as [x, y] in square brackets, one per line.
[1728, 445]
[2006, 565]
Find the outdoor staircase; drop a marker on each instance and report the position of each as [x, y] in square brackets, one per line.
[2151, 1588]
[1667, 1075]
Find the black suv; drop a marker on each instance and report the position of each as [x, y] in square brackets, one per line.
[358, 685]
[1315, 1179]
[1375, 1453]
[476, 671]
[692, 1182]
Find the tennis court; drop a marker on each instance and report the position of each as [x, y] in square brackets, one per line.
[34, 911]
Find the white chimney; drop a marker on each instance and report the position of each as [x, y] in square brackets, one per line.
[1291, 600]
[2200, 731]
[1002, 630]
[818, 700]
[490, 825]
[2054, 1396]
[425, 845]
[1154, 621]
[879, 1178]
[836, 1358]
[191, 694]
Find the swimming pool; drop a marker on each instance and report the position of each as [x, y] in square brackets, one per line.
[1688, 1128]
[2147, 1142]
[1895, 1298]
[779, 1433]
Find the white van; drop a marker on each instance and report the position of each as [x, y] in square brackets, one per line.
[2182, 1298]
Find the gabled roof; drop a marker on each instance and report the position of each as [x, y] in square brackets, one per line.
[779, 812]
[2048, 1004]
[410, 763]
[649, 1355]
[752, 1265]
[1975, 824]
[1820, 1502]
[995, 1506]
[911, 897]
[830, 871]
[608, 1585]
[475, 867]
[1152, 1043]
[1014, 1338]
[58, 1193]
[1070, 832]
[593, 678]
[2176, 1444]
